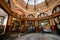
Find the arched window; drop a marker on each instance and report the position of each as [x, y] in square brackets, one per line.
[30, 16]
[56, 9]
[42, 15]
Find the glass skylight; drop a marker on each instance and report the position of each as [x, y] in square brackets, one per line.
[31, 2]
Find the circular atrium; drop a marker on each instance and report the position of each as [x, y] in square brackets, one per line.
[30, 19]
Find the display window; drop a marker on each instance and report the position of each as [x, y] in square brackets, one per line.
[45, 25]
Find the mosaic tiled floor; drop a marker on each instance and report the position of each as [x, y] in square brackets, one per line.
[38, 36]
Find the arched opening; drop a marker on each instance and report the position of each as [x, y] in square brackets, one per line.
[30, 24]
[56, 9]
[44, 25]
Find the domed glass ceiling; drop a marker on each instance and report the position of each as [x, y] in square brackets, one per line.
[31, 2]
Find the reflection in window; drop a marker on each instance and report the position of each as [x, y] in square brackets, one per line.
[42, 15]
[56, 9]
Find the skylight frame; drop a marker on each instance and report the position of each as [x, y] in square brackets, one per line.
[32, 2]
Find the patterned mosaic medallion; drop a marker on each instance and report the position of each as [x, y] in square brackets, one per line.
[39, 37]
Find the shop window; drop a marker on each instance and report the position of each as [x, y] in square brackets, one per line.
[45, 25]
